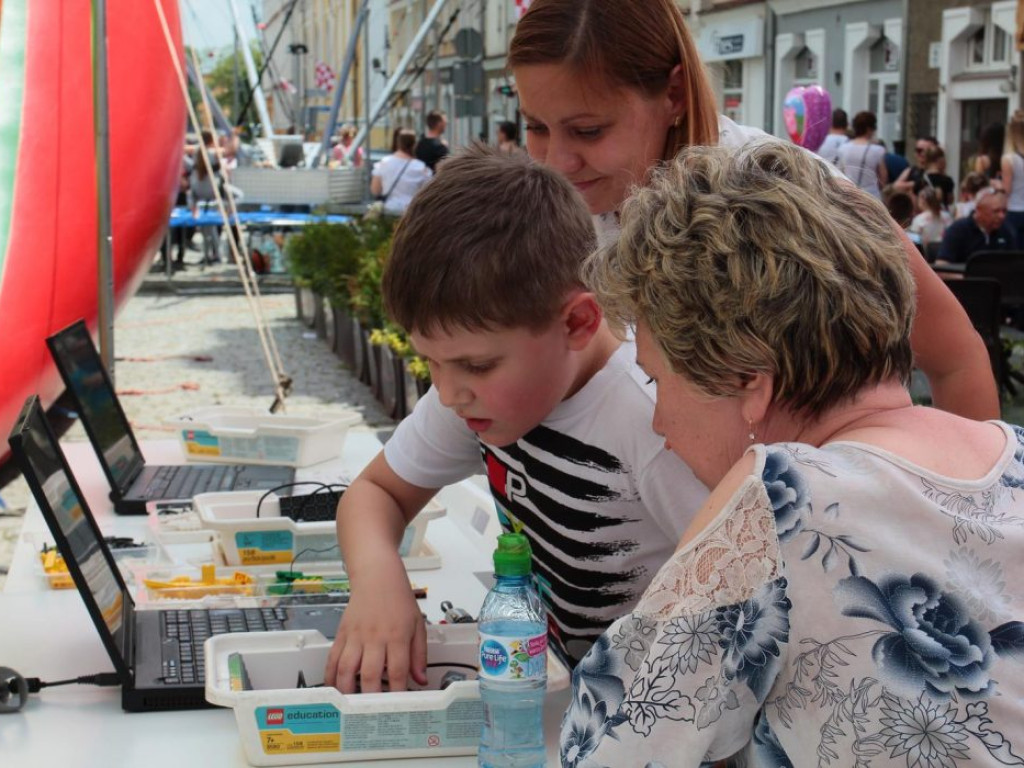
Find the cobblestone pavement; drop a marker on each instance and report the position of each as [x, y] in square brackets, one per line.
[158, 343]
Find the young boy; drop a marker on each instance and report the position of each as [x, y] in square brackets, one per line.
[529, 385]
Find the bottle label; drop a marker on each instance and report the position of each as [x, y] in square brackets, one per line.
[513, 658]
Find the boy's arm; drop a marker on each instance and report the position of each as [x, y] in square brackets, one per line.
[382, 633]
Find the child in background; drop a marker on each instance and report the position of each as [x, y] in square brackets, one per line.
[930, 224]
[530, 386]
[972, 184]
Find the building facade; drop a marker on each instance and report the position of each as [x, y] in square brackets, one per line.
[854, 50]
[730, 37]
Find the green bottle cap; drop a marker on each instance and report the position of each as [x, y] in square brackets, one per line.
[512, 557]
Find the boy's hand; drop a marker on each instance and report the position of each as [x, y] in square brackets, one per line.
[382, 636]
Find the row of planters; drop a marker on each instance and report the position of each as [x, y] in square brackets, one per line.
[337, 269]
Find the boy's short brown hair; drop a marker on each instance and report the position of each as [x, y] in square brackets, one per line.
[493, 241]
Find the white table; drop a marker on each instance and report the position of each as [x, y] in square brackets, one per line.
[48, 634]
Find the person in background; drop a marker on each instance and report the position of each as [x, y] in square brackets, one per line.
[203, 179]
[900, 206]
[837, 136]
[629, 93]
[935, 176]
[432, 148]
[988, 161]
[508, 136]
[908, 180]
[1012, 165]
[397, 177]
[931, 221]
[345, 137]
[854, 583]
[984, 230]
[972, 184]
[895, 164]
[861, 159]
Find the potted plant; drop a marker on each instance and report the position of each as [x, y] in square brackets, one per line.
[392, 350]
[367, 306]
[416, 377]
[321, 260]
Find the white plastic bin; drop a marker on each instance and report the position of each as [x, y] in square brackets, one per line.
[281, 724]
[250, 436]
[246, 539]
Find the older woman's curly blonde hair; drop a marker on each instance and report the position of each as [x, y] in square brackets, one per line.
[758, 260]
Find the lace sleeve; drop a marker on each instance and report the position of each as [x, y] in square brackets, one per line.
[727, 563]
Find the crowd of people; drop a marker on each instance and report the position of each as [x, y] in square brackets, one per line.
[751, 543]
[948, 222]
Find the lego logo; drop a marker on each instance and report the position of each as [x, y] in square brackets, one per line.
[275, 716]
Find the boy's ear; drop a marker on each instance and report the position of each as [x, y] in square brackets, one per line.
[582, 317]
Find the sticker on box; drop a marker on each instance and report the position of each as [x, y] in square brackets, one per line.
[289, 730]
[264, 547]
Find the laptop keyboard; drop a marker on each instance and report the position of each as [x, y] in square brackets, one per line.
[184, 482]
[190, 629]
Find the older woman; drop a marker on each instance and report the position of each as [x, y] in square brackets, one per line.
[852, 591]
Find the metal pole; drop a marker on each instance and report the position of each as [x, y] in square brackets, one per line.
[250, 70]
[367, 69]
[382, 100]
[236, 83]
[104, 240]
[339, 92]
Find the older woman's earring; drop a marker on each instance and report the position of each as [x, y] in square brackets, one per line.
[678, 122]
[751, 435]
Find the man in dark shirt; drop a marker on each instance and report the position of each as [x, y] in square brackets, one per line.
[432, 148]
[983, 230]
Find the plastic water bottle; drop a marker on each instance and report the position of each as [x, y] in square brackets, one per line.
[513, 661]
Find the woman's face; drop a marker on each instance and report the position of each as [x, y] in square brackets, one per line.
[706, 432]
[603, 138]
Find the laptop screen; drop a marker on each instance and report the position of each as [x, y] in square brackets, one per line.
[65, 512]
[104, 421]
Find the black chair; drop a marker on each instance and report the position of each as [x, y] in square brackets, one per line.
[1007, 268]
[931, 251]
[980, 298]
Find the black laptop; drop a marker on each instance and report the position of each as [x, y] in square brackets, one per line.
[158, 654]
[135, 484]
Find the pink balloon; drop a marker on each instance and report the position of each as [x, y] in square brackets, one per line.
[807, 114]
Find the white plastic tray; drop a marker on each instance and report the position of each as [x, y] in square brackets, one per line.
[281, 724]
[250, 436]
[270, 539]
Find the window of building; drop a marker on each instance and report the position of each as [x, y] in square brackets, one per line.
[884, 56]
[732, 89]
[806, 68]
[988, 47]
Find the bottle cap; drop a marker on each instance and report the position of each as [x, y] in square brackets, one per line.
[512, 557]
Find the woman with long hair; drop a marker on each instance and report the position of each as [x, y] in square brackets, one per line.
[610, 90]
[1013, 174]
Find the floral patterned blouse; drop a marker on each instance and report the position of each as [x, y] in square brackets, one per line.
[846, 608]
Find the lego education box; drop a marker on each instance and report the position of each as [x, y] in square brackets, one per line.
[251, 531]
[251, 436]
[286, 716]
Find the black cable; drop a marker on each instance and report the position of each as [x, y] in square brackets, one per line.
[104, 678]
[301, 552]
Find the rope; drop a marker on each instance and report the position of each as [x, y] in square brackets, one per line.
[243, 261]
[281, 381]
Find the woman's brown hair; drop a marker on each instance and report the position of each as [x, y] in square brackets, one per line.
[631, 43]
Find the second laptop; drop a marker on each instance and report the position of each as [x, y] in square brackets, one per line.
[134, 483]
